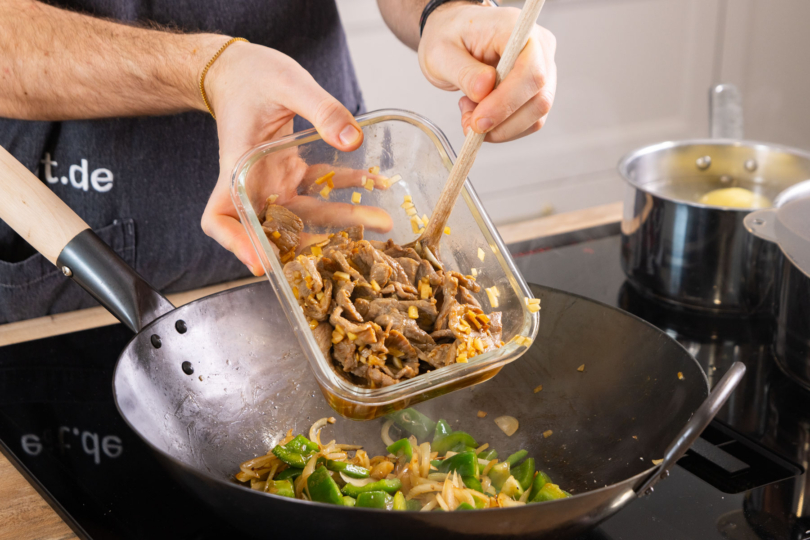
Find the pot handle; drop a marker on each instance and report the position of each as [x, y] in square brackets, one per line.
[725, 112]
[692, 430]
[762, 224]
[35, 212]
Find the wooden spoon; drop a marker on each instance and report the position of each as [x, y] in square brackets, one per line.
[432, 234]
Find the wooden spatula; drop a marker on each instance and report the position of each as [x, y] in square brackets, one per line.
[432, 234]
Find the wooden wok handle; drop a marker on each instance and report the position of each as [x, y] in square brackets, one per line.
[466, 157]
[34, 211]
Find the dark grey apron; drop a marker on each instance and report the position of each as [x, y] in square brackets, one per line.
[142, 183]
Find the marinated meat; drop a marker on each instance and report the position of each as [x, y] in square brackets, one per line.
[384, 314]
[283, 228]
[323, 335]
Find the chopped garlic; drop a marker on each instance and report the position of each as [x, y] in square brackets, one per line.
[538, 388]
[316, 250]
[342, 275]
[374, 170]
[462, 358]
[394, 179]
[547, 433]
[325, 192]
[425, 219]
[414, 225]
[481, 414]
[493, 298]
[375, 285]
[411, 212]
[581, 368]
[276, 235]
[474, 272]
[413, 313]
[272, 198]
[368, 183]
[680, 375]
[356, 197]
[407, 204]
[447, 230]
[408, 198]
[481, 254]
[313, 324]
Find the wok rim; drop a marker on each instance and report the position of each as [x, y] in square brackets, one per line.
[631, 482]
[633, 155]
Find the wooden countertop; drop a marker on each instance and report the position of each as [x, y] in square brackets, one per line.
[25, 515]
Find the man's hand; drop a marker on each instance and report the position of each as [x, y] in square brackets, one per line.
[255, 93]
[459, 49]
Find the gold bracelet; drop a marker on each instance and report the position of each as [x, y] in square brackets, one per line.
[208, 66]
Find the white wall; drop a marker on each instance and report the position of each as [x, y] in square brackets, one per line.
[631, 72]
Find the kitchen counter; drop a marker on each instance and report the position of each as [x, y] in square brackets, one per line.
[24, 514]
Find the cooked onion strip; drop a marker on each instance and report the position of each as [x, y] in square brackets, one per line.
[316, 427]
[508, 424]
[386, 438]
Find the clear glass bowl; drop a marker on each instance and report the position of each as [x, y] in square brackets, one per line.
[400, 143]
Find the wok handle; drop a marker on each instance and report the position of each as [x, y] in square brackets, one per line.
[34, 211]
[37, 214]
[692, 430]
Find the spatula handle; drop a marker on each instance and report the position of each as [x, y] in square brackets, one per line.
[34, 211]
[466, 157]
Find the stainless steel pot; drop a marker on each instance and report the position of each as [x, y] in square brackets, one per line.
[788, 226]
[690, 254]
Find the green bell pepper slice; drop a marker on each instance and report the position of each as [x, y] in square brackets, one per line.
[349, 501]
[302, 445]
[524, 473]
[322, 488]
[291, 458]
[549, 492]
[401, 448]
[283, 488]
[415, 423]
[289, 474]
[488, 455]
[389, 486]
[350, 470]
[499, 474]
[442, 430]
[461, 447]
[375, 499]
[449, 441]
[413, 505]
[464, 506]
[516, 457]
[465, 463]
[472, 483]
[399, 501]
[539, 481]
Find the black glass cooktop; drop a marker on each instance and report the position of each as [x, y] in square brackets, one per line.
[743, 480]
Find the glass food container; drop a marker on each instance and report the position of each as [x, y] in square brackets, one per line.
[415, 157]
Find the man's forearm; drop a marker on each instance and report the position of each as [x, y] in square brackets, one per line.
[60, 65]
[402, 17]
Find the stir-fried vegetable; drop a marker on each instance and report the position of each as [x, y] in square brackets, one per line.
[450, 473]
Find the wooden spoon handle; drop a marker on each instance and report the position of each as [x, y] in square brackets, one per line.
[34, 211]
[466, 157]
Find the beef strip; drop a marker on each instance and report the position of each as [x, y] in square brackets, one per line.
[464, 296]
[343, 353]
[449, 289]
[426, 270]
[443, 334]
[365, 332]
[278, 219]
[388, 313]
[323, 336]
[343, 294]
[466, 282]
[496, 326]
[442, 355]
[406, 292]
[319, 309]
[410, 266]
[487, 339]
[393, 250]
[305, 267]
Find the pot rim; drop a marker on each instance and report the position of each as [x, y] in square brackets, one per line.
[633, 155]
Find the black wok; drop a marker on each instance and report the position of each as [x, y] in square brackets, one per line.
[218, 381]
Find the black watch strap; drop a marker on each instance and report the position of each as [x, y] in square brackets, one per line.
[431, 6]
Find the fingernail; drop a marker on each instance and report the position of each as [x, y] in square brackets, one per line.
[467, 130]
[460, 106]
[349, 135]
[484, 124]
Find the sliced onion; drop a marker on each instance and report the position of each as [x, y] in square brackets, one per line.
[359, 482]
[387, 440]
[317, 426]
[508, 424]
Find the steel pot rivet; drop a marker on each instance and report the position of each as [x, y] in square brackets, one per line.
[758, 222]
[67, 271]
[155, 339]
[751, 165]
[664, 474]
[188, 369]
[649, 491]
[180, 326]
[703, 162]
[726, 179]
